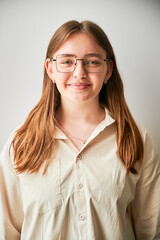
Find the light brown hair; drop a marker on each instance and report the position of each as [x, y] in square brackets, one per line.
[33, 143]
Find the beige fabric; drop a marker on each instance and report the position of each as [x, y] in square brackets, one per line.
[84, 195]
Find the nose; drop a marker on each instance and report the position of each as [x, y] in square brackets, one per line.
[80, 71]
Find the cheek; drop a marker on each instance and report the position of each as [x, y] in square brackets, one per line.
[61, 80]
[98, 81]
[59, 86]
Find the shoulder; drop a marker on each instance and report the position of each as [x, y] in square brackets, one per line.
[148, 141]
[7, 155]
[150, 155]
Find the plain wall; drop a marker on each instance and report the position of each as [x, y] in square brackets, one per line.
[26, 27]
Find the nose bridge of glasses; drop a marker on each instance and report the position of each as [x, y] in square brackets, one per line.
[80, 59]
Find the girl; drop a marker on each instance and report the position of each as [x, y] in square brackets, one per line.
[79, 167]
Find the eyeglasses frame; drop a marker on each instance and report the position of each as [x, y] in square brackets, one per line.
[79, 59]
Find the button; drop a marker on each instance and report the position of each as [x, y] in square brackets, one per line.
[82, 217]
[79, 157]
[79, 185]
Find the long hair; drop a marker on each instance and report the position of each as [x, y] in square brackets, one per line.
[33, 143]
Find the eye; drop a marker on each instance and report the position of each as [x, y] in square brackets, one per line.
[67, 62]
[93, 62]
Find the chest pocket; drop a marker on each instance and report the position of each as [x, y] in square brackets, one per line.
[41, 193]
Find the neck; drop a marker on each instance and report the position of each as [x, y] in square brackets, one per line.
[88, 112]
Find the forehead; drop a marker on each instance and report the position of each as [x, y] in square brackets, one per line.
[80, 44]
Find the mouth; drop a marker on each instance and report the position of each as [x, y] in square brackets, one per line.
[78, 86]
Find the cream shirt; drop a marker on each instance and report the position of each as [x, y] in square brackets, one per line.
[83, 195]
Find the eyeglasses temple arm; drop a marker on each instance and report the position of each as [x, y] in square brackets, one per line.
[107, 59]
[53, 60]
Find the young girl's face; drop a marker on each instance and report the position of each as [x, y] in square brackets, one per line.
[79, 86]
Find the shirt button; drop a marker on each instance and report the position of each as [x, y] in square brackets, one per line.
[79, 157]
[81, 217]
[79, 185]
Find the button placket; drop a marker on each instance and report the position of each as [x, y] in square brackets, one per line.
[80, 196]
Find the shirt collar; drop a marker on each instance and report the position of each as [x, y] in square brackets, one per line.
[108, 120]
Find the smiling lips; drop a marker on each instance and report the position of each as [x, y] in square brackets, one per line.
[79, 86]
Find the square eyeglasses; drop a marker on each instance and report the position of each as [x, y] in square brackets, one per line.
[66, 63]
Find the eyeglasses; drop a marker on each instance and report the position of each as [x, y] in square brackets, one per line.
[66, 63]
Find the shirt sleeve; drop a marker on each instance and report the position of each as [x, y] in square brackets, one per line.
[146, 206]
[11, 212]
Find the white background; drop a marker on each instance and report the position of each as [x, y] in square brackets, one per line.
[133, 27]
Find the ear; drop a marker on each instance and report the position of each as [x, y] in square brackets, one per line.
[109, 71]
[49, 69]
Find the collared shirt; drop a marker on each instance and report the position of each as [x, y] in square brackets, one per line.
[84, 195]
